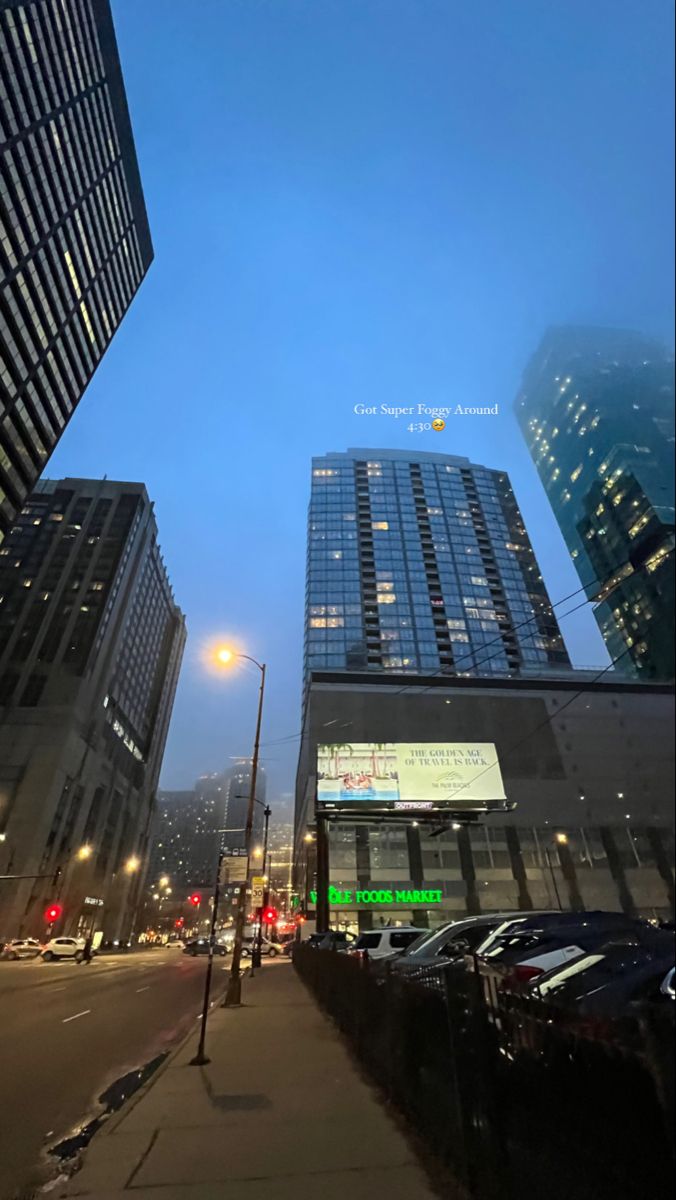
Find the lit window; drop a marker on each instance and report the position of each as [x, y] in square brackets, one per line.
[318, 622]
[386, 597]
[576, 473]
[380, 525]
[639, 525]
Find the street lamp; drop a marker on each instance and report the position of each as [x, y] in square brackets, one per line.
[164, 882]
[132, 864]
[84, 853]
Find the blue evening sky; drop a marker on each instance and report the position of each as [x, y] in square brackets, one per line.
[376, 201]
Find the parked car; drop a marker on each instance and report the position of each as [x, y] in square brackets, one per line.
[519, 951]
[388, 942]
[65, 947]
[201, 946]
[271, 949]
[21, 948]
[610, 980]
[334, 939]
[448, 943]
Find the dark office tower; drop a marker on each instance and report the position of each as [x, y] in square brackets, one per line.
[597, 410]
[74, 237]
[91, 642]
[421, 563]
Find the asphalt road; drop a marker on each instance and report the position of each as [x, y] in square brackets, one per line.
[67, 1032]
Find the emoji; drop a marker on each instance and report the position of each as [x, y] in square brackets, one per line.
[438, 424]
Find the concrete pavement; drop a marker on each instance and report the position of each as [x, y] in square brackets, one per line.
[280, 1110]
[69, 1031]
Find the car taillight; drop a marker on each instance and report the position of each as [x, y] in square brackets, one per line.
[526, 974]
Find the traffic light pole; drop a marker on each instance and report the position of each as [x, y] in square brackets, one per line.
[257, 953]
[233, 996]
[201, 1058]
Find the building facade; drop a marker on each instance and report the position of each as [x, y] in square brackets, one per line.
[91, 642]
[74, 237]
[186, 838]
[588, 773]
[421, 563]
[236, 784]
[597, 410]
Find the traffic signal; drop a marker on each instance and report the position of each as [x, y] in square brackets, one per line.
[52, 913]
[179, 923]
[269, 916]
[195, 899]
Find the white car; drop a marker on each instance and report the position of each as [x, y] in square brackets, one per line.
[378, 943]
[21, 948]
[64, 947]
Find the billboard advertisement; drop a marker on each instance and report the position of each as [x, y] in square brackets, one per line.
[403, 775]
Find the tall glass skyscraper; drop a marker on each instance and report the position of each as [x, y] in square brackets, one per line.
[420, 562]
[74, 237]
[597, 410]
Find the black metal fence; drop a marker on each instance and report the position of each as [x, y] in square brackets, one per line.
[521, 1101]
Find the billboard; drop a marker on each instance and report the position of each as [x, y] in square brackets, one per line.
[403, 775]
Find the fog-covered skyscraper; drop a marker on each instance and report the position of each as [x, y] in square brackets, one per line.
[597, 410]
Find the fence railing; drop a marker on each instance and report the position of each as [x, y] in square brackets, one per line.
[521, 1101]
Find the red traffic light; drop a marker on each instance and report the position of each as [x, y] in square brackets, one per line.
[269, 916]
[52, 913]
[179, 923]
[195, 899]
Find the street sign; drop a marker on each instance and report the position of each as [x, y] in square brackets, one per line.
[257, 891]
[234, 869]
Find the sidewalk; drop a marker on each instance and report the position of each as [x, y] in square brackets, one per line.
[280, 1111]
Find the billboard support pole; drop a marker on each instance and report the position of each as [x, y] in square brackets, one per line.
[322, 921]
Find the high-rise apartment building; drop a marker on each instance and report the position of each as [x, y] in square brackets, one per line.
[91, 642]
[74, 237]
[186, 837]
[420, 562]
[597, 410]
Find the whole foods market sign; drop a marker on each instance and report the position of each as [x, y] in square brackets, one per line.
[404, 775]
[382, 897]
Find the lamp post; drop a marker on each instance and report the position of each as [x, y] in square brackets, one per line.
[561, 840]
[233, 995]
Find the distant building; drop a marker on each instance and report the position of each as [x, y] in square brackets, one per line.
[187, 838]
[420, 562]
[597, 410]
[588, 765]
[236, 783]
[74, 237]
[91, 642]
[280, 863]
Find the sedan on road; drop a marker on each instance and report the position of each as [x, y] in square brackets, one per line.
[65, 947]
[201, 946]
[21, 948]
[272, 949]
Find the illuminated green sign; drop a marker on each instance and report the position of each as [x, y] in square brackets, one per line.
[383, 897]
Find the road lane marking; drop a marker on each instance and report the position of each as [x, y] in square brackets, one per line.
[145, 989]
[75, 1017]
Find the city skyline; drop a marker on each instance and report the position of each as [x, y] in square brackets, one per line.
[391, 217]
